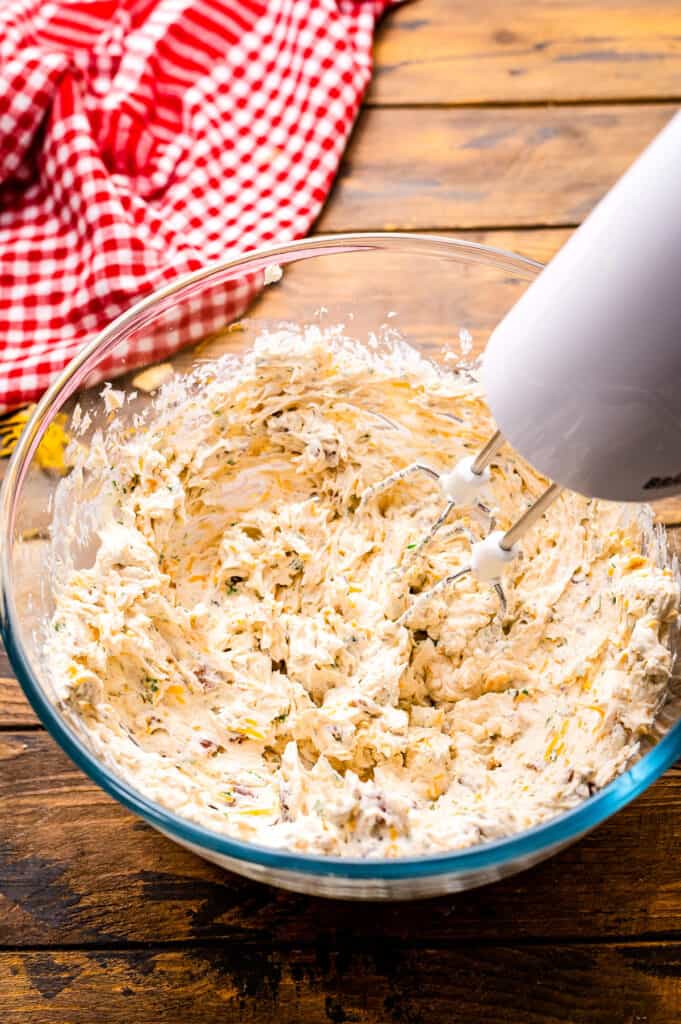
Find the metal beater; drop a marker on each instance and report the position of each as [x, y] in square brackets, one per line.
[463, 486]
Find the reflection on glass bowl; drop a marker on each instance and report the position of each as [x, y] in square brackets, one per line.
[436, 290]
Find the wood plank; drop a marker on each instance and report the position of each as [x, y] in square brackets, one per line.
[15, 711]
[77, 868]
[5, 667]
[199, 985]
[453, 51]
[457, 169]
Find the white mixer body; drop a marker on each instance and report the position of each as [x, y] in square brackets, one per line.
[583, 376]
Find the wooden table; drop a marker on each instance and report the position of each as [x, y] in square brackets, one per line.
[503, 122]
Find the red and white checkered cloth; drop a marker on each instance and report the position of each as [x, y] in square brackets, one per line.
[141, 139]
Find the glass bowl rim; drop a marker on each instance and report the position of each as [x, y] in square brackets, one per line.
[543, 838]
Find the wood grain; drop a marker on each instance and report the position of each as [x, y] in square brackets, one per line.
[5, 667]
[15, 711]
[592, 984]
[455, 51]
[76, 868]
[455, 169]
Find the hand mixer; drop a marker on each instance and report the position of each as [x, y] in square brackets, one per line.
[583, 375]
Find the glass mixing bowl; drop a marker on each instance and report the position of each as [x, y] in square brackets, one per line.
[431, 289]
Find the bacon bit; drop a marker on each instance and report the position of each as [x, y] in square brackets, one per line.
[243, 790]
[204, 679]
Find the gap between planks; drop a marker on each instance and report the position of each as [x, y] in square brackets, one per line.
[500, 104]
[356, 943]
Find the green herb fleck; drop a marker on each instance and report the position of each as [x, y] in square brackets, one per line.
[59, 626]
[283, 716]
[150, 684]
[410, 547]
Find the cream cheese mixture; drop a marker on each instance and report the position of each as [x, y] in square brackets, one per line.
[232, 648]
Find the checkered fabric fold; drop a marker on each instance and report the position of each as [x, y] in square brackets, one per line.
[141, 139]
